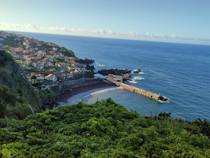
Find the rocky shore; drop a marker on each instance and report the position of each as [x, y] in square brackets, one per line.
[124, 73]
[114, 71]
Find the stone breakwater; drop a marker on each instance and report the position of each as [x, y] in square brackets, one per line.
[148, 94]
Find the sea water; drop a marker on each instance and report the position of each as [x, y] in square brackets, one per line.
[180, 72]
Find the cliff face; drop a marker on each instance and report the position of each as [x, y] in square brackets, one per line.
[12, 78]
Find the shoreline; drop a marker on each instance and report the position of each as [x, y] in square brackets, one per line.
[88, 86]
[86, 95]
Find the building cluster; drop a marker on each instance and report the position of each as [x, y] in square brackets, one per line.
[45, 64]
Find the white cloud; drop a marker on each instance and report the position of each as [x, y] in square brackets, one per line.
[99, 33]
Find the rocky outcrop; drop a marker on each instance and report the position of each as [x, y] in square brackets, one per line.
[114, 71]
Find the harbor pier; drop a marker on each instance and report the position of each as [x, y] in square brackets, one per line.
[118, 81]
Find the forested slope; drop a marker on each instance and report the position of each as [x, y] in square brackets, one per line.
[104, 129]
[14, 88]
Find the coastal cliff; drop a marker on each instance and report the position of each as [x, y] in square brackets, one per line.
[44, 65]
[15, 88]
[103, 129]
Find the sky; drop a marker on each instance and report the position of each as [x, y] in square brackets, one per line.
[172, 20]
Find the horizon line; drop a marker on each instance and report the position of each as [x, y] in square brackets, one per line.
[205, 42]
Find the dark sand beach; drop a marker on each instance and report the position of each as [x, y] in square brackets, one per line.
[77, 89]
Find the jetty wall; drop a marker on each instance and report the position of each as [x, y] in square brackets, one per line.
[143, 92]
[133, 89]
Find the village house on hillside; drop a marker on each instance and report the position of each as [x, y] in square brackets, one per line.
[45, 64]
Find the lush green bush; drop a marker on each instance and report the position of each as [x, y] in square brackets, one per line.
[104, 129]
[4, 58]
[67, 52]
[12, 105]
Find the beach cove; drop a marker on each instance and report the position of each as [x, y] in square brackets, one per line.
[178, 71]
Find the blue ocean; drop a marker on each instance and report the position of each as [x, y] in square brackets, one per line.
[179, 71]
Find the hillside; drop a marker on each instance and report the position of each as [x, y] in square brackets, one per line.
[104, 129]
[12, 81]
[45, 65]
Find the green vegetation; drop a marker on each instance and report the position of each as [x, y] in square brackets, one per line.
[12, 77]
[104, 129]
[67, 52]
[89, 66]
[12, 105]
[90, 71]
[49, 96]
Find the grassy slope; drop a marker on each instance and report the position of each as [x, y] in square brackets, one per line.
[12, 78]
[104, 129]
